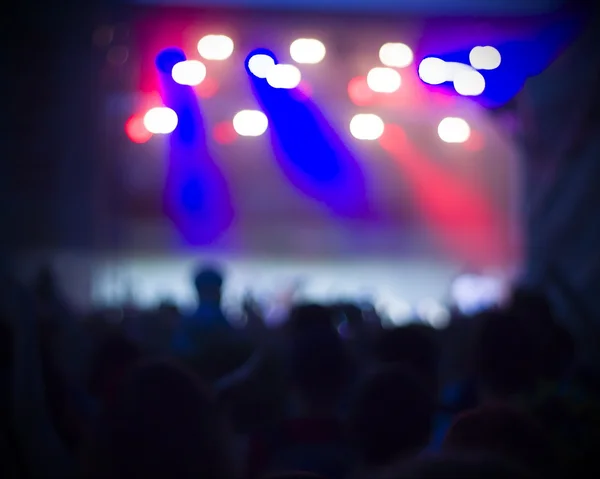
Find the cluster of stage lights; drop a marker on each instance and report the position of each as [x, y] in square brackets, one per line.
[467, 81]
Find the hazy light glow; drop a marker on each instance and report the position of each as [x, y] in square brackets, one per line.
[189, 72]
[260, 64]
[160, 120]
[307, 50]
[384, 80]
[454, 130]
[366, 126]
[473, 293]
[396, 55]
[250, 123]
[215, 47]
[433, 312]
[284, 76]
[469, 83]
[485, 58]
[433, 71]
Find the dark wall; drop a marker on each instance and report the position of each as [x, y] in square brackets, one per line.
[48, 164]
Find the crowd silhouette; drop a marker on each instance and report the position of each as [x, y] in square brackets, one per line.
[164, 394]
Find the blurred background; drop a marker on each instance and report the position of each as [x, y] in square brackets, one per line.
[329, 149]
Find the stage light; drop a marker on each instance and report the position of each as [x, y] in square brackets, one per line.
[359, 92]
[284, 76]
[307, 50]
[485, 58]
[366, 126]
[433, 71]
[454, 130]
[384, 80]
[160, 120]
[396, 55]
[189, 72]
[136, 131]
[215, 47]
[452, 69]
[260, 64]
[168, 58]
[469, 83]
[250, 123]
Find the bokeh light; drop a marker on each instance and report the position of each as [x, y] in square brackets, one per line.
[307, 50]
[454, 130]
[366, 126]
[136, 131]
[250, 123]
[359, 92]
[224, 133]
[284, 76]
[160, 120]
[384, 80]
[396, 55]
[260, 64]
[485, 58]
[433, 71]
[469, 83]
[215, 47]
[189, 72]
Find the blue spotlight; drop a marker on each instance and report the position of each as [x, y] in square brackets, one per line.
[308, 149]
[168, 58]
[254, 67]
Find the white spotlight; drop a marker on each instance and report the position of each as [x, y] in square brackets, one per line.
[454, 130]
[433, 71]
[250, 123]
[307, 50]
[160, 120]
[453, 69]
[215, 47]
[469, 83]
[189, 72]
[396, 55]
[366, 126]
[383, 80]
[259, 65]
[485, 58]
[284, 76]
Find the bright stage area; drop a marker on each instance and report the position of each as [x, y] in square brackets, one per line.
[357, 154]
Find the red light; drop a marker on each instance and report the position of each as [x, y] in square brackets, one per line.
[224, 133]
[136, 131]
[393, 137]
[359, 92]
[207, 88]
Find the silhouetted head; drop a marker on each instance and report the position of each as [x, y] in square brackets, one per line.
[163, 423]
[319, 367]
[392, 416]
[414, 346]
[311, 317]
[502, 431]
[209, 284]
